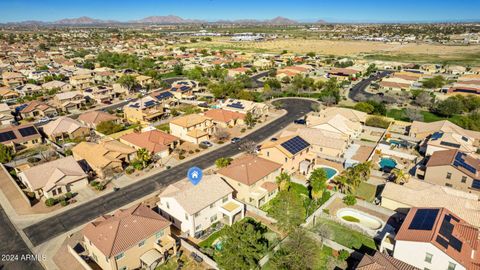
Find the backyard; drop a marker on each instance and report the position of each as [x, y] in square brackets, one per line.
[366, 191]
[344, 235]
[188, 263]
[399, 114]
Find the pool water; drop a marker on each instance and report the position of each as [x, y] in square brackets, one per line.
[330, 172]
[218, 245]
[386, 162]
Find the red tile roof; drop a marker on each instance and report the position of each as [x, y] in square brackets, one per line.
[154, 141]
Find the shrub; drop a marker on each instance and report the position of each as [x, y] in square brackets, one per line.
[343, 255]
[33, 160]
[64, 203]
[50, 202]
[349, 200]
[220, 142]
[242, 130]
[69, 195]
[377, 121]
[100, 187]
[190, 152]
[197, 150]
[129, 170]
[137, 165]
[181, 157]
[94, 183]
[203, 146]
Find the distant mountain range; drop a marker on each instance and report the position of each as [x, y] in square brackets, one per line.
[170, 19]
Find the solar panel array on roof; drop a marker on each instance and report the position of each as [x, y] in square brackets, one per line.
[184, 88]
[237, 105]
[295, 145]
[460, 162]
[163, 95]
[437, 135]
[7, 136]
[150, 103]
[449, 144]
[28, 131]
[447, 239]
[423, 219]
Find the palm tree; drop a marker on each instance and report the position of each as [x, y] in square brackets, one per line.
[283, 180]
[144, 156]
[399, 176]
[318, 183]
[344, 184]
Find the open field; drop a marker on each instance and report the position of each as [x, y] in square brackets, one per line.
[410, 52]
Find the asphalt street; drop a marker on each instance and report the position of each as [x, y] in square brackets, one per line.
[51, 227]
[360, 88]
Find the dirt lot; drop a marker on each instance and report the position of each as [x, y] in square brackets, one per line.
[345, 47]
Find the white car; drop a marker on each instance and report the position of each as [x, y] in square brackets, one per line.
[44, 120]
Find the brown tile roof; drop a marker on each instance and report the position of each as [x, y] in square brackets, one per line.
[466, 234]
[113, 234]
[249, 169]
[447, 157]
[19, 138]
[154, 141]
[62, 125]
[381, 261]
[36, 105]
[189, 120]
[96, 117]
[224, 115]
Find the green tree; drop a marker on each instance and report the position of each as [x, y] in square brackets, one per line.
[318, 183]
[449, 107]
[288, 210]
[283, 181]
[6, 154]
[364, 107]
[249, 119]
[243, 245]
[435, 82]
[178, 69]
[144, 156]
[297, 253]
[128, 81]
[223, 162]
[399, 176]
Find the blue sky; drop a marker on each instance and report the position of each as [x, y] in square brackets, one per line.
[334, 11]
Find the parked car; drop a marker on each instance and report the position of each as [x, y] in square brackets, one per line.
[44, 120]
[300, 122]
[206, 144]
[196, 257]
[257, 148]
[235, 140]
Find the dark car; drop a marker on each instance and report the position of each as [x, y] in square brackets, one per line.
[300, 122]
[235, 140]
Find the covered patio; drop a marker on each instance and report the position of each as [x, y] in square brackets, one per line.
[232, 211]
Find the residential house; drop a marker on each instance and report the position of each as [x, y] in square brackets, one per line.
[69, 102]
[13, 78]
[6, 116]
[158, 143]
[37, 109]
[81, 81]
[65, 128]
[54, 178]
[8, 94]
[435, 238]
[92, 118]
[29, 89]
[293, 152]
[132, 238]
[194, 208]
[62, 86]
[422, 130]
[234, 72]
[337, 123]
[350, 114]
[455, 169]
[440, 141]
[184, 89]
[193, 128]
[224, 118]
[382, 261]
[101, 94]
[323, 142]
[20, 137]
[144, 110]
[144, 80]
[257, 109]
[253, 179]
[417, 193]
[104, 158]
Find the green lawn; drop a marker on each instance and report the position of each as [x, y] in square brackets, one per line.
[346, 236]
[164, 127]
[209, 241]
[366, 191]
[399, 114]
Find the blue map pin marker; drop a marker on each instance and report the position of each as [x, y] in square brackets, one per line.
[194, 174]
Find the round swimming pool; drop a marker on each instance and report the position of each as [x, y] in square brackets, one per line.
[359, 218]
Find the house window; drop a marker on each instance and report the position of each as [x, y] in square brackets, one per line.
[168, 206]
[428, 257]
[449, 175]
[268, 154]
[159, 234]
[286, 159]
[197, 214]
[197, 227]
[141, 243]
[186, 216]
[464, 179]
[213, 218]
[54, 192]
[451, 266]
[119, 256]
[225, 199]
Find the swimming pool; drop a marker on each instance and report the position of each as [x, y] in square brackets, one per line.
[331, 172]
[387, 163]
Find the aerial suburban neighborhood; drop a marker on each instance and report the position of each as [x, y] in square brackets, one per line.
[231, 141]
